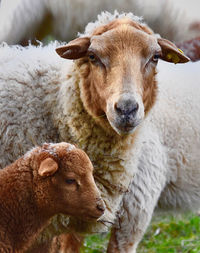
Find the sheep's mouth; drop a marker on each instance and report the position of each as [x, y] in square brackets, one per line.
[92, 217]
[127, 129]
[124, 128]
[123, 125]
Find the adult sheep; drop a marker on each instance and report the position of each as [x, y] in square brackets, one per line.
[64, 18]
[100, 101]
[168, 176]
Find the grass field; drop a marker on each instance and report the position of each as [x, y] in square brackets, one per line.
[166, 234]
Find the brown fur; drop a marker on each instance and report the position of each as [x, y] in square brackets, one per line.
[116, 23]
[123, 51]
[37, 186]
[69, 243]
[96, 93]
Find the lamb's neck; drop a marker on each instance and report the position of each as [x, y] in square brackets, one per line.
[20, 220]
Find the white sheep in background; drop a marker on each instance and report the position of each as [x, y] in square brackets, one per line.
[48, 180]
[191, 48]
[102, 101]
[21, 20]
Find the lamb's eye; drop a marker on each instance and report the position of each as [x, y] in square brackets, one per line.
[70, 181]
[92, 57]
[156, 57]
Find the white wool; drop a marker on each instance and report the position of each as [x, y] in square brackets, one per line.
[106, 17]
[168, 173]
[68, 18]
[69, 147]
[40, 102]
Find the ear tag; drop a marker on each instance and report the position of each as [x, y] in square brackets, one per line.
[180, 51]
[174, 57]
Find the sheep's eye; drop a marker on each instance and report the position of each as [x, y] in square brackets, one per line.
[92, 57]
[70, 181]
[156, 57]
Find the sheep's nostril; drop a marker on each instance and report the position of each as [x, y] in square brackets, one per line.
[134, 108]
[118, 109]
[126, 107]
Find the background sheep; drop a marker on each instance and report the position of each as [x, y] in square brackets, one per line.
[191, 48]
[102, 111]
[52, 179]
[21, 20]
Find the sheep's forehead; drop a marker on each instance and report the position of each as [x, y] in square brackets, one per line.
[124, 37]
[115, 24]
[53, 147]
[79, 162]
[76, 160]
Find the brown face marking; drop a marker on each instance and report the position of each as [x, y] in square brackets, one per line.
[118, 71]
[71, 188]
[121, 50]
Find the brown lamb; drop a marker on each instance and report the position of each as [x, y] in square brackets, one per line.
[52, 179]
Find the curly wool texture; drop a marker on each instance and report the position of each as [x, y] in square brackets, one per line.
[40, 102]
[168, 170]
[30, 187]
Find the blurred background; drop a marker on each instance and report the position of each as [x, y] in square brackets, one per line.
[23, 20]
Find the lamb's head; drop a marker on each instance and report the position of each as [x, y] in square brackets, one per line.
[117, 63]
[64, 182]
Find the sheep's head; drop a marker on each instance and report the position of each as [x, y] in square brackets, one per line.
[65, 181]
[117, 64]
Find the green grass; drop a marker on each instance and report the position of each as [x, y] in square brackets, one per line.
[167, 234]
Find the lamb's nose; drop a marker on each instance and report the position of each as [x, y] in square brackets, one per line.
[101, 206]
[126, 107]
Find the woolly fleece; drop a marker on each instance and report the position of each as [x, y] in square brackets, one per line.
[40, 101]
[168, 175]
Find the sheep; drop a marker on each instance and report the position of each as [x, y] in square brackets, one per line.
[100, 101]
[191, 48]
[64, 18]
[168, 176]
[51, 179]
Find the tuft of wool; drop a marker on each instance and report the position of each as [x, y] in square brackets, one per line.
[106, 17]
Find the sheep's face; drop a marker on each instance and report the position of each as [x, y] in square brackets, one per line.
[118, 68]
[69, 181]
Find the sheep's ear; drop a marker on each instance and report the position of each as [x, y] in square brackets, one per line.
[171, 53]
[75, 49]
[47, 167]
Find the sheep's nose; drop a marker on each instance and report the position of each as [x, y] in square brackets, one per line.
[126, 107]
[101, 206]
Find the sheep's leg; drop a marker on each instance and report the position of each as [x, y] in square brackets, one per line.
[66, 243]
[138, 204]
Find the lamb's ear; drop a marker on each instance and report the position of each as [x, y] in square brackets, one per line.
[47, 167]
[75, 49]
[171, 53]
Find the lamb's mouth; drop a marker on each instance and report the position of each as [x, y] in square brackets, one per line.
[92, 217]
